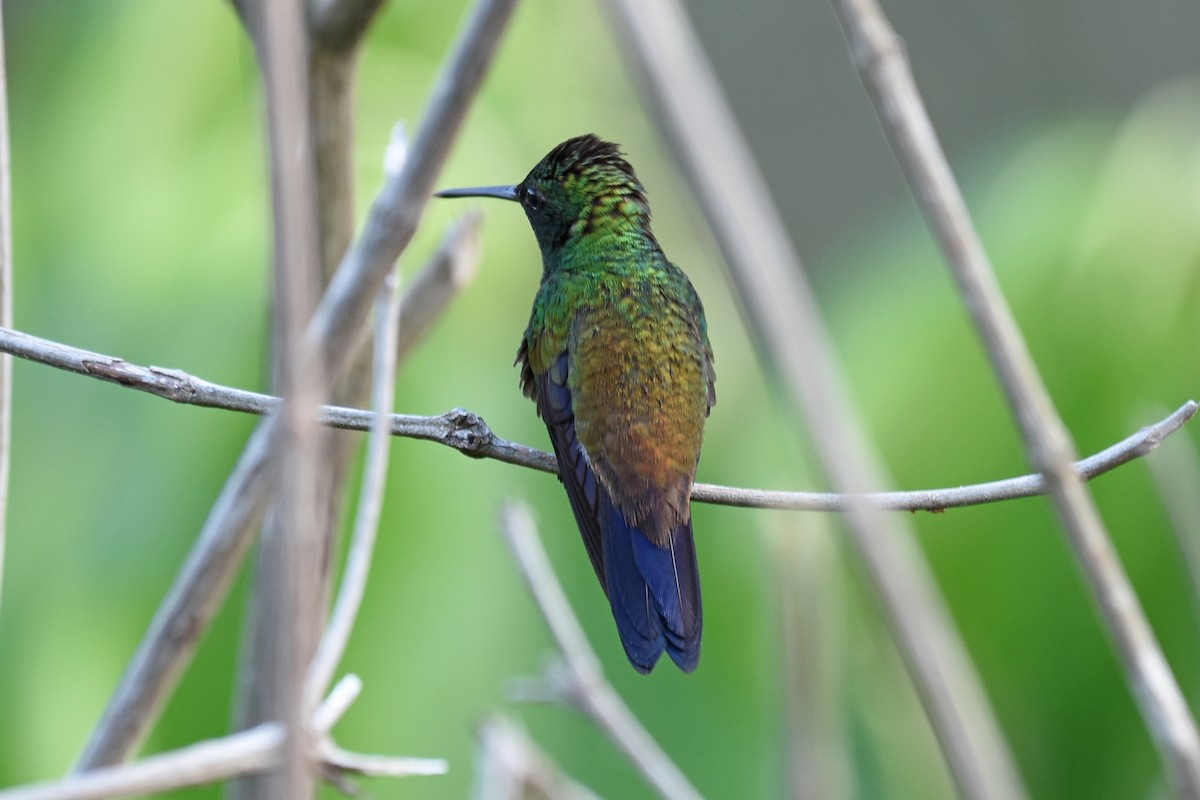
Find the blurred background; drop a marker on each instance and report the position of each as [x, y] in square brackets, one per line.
[142, 230]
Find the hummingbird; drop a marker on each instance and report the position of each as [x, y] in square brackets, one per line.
[617, 360]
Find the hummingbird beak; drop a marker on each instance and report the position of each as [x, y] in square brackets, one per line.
[502, 192]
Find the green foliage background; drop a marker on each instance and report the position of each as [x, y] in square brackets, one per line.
[141, 230]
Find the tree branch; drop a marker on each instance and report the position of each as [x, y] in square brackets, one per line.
[511, 767]
[879, 55]
[581, 678]
[466, 432]
[206, 575]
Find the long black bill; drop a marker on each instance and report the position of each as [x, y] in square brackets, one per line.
[503, 192]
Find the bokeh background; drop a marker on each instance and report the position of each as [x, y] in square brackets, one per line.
[142, 230]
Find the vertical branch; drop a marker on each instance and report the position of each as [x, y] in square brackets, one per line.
[286, 603]
[6, 306]
[333, 67]
[309, 117]
[782, 313]
[879, 55]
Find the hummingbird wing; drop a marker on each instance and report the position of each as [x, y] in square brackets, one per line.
[554, 404]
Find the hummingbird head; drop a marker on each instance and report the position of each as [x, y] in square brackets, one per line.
[583, 186]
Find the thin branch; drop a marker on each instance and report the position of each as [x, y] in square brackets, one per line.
[206, 575]
[879, 55]
[366, 523]
[466, 432]
[511, 767]
[6, 306]
[781, 311]
[583, 679]
[244, 753]
[375, 766]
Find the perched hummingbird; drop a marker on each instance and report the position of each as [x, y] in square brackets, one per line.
[616, 358]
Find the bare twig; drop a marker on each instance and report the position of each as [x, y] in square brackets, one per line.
[366, 522]
[207, 572]
[511, 767]
[244, 753]
[468, 433]
[582, 678]
[6, 306]
[780, 310]
[375, 766]
[879, 55]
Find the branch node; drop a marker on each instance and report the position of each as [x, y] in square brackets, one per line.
[468, 433]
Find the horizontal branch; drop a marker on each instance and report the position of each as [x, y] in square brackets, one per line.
[466, 432]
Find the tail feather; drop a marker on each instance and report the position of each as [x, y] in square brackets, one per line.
[654, 592]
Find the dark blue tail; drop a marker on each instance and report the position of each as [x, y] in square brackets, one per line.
[654, 591]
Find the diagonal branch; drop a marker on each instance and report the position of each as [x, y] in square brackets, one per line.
[366, 522]
[879, 55]
[582, 679]
[510, 766]
[779, 308]
[467, 432]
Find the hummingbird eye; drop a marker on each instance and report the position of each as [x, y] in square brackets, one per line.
[531, 198]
